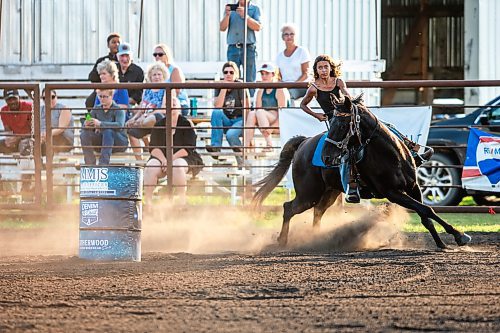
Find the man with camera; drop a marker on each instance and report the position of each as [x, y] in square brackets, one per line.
[234, 22]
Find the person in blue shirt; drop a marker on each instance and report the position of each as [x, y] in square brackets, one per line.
[163, 53]
[108, 72]
[234, 22]
[104, 127]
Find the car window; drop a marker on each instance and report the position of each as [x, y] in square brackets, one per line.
[495, 114]
[494, 120]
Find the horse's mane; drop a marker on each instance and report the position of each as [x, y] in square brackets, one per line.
[359, 100]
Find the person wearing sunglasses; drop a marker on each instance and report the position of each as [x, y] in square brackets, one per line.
[105, 128]
[294, 61]
[230, 105]
[163, 53]
[60, 119]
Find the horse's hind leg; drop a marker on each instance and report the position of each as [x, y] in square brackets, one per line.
[460, 237]
[290, 209]
[324, 203]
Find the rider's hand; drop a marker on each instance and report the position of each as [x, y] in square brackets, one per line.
[320, 116]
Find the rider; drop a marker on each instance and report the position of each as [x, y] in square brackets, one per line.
[327, 82]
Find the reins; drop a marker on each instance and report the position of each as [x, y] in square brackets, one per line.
[354, 129]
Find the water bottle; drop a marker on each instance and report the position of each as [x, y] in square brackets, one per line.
[88, 116]
[194, 107]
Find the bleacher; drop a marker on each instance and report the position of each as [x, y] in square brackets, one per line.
[66, 165]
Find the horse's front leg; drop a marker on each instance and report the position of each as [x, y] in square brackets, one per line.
[408, 202]
[461, 238]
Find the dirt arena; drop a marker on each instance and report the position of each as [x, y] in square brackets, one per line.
[223, 274]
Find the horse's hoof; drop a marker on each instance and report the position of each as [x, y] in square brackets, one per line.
[282, 241]
[442, 247]
[463, 239]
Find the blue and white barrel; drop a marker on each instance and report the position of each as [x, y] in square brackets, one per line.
[113, 182]
[110, 213]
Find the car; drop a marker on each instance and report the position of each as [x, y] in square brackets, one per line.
[440, 177]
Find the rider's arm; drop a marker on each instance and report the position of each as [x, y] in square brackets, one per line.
[343, 88]
[310, 94]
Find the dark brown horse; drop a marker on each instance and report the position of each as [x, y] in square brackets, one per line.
[384, 163]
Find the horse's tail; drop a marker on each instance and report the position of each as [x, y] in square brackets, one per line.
[272, 180]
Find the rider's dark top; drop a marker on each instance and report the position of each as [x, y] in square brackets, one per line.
[324, 100]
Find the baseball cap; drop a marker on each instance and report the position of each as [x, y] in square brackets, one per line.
[124, 48]
[8, 93]
[267, 67]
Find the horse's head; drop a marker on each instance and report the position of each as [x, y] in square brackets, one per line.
[342, 128]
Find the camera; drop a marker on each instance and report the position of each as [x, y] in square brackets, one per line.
[233, 6]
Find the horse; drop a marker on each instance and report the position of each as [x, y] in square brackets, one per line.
[384, 164]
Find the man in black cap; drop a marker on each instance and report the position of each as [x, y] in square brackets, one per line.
[114, 40]
[18, 124]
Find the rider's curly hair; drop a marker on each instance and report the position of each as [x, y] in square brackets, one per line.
[335, 67]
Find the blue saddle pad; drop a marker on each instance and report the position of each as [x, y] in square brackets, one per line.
[317, 161]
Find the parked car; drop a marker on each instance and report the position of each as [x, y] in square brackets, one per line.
[450, 145]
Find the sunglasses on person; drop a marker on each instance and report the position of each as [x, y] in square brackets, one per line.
[158, 54]
[228, 72]
[51, 96]
[288, 34]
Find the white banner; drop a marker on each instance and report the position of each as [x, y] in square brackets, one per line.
[412, 121]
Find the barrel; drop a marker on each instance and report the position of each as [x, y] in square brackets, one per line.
[110, 213]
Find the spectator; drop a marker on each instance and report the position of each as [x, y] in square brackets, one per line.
[113, 40]
[294, 61]
[104, 129]
[175, 75]
[185, 160]
[18, 124]
[108, 72]
[267, 104]
[61, 117]
[152, 109]
[234, 22]
[130, 72]
[233, 101]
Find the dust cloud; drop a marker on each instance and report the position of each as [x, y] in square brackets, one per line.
[226, 229]
[223, 229]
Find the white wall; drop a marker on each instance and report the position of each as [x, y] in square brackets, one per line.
[482, 48]
[74, 31]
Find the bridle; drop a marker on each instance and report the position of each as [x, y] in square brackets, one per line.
[354, 130]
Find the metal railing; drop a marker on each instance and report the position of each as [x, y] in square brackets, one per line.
[49, 166]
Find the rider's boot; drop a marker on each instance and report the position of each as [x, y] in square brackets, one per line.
[422, 158]
[352, 195]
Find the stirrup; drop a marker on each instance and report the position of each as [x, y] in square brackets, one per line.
[352, 195]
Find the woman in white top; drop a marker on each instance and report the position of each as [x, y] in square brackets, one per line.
[294, 61]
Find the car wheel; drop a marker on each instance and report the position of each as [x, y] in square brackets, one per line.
[487, 200]
[434, 181]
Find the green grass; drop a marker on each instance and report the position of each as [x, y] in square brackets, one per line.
[462, 221]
